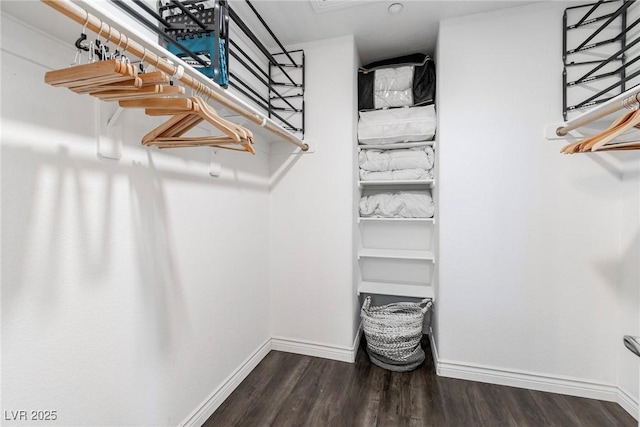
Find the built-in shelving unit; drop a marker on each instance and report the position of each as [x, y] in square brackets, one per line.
[377, 219]
[396, 256]
[410, 184]
[396, 146]
[413, 290]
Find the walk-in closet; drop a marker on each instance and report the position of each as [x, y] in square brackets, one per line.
[320, 213]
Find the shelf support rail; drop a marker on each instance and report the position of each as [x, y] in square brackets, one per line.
[610, 40]
[235, 82]
[297, 111]
[181, 71]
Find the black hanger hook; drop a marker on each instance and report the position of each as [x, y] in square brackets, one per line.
[79, 44]
[101, 50]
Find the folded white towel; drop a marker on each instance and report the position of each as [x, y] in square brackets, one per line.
[386, 160]
[400, 78]
[402, 204]
[400, 174]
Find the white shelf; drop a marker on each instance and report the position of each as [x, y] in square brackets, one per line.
[422, 183]
[396, 254]
[396, 289]
[375, 219]
[396, 145]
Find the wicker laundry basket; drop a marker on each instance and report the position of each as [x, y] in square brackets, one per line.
[393, 333]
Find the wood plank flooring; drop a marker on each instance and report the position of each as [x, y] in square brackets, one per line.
[292, 390]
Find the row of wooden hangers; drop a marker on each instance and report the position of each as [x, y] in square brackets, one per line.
[186, 114]
[605, 140]
[117, 80]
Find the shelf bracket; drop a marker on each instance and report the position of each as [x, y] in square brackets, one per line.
[215, 168]
[109, 133]
[633, 344]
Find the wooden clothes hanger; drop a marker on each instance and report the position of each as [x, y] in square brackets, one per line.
[181, 109]
[239, 134]
[137, 82]
[185, 142]
[144, 92]
[634, 145]
[233, 130]
[596, 142]
[188, 113]
[116, 80]
[113, 80]
[133, 83]
[632, 120]
[95, 73]
[578, 147]
[142, 85]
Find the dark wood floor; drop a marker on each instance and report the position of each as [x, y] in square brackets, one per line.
[291, 390]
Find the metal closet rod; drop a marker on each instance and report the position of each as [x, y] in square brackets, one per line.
[625, 99]
[95, 24]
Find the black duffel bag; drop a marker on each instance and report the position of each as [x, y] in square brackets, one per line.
[405, 81]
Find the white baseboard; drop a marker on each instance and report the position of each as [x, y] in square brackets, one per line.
[628, 403]
[434, 350]
[464, 371]
[528, 380]
[533, 381]
[308, 348]
[356, 342]
[215, 399]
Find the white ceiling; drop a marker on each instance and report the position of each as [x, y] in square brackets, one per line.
[378, 34]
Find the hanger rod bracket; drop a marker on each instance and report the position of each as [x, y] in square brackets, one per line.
[109, 133]
[114, 119]
[215, 168]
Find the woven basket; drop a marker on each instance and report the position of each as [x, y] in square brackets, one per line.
[394, 330]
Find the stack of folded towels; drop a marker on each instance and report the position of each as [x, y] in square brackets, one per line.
[399, 204]
[401, 164]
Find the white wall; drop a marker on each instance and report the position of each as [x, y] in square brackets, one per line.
[312, 206]
[629, 290]
[130, 289]
[530, 250]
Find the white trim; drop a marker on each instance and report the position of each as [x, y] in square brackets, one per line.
[356, 342]
[215, 399]
[309, 348]
[528, 380]
[218, 396]
[434, 351]
[628, 403]
[522, 379]
[533, 381]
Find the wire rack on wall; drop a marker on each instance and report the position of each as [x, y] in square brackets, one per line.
[203, 30]
[197, 31]
[598, 47]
